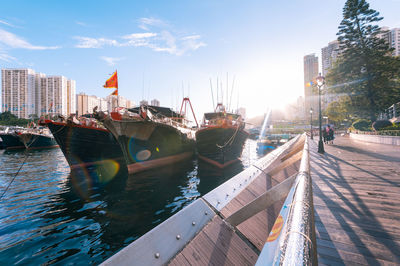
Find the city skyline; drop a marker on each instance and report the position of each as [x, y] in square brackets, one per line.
[159, 48]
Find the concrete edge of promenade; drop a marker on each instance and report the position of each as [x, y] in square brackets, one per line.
[391, 140]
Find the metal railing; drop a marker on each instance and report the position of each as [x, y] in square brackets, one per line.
[292, 239]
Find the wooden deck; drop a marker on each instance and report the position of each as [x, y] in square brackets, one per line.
[356, 187]
[221, 244]
[356, 190]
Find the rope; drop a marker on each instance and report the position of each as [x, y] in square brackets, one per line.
[16, 174]
[231, 139]
[12, 180]
[298, 232]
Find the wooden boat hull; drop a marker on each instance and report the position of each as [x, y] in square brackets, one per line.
[148, 145]
[37, 141]
[220, 146]
[11, 141]
[85, 146]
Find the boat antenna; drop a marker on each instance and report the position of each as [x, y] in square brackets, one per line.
[212, 94]
[222, 94]
[217, 92]
[227, 95]
[230, 101]
[143, 86]
[237, 107]
[183, 90]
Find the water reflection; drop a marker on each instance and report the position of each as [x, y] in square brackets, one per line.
[52, 215]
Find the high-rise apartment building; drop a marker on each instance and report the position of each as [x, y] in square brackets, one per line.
[155, 102]
[71, 99]
[26, 93]
[86, 103]
[395, 41]
[310, 73]
[18, 92]
[329, 55]
[144, 102]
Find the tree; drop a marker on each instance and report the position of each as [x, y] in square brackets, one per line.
[365, 70]
[337, 111]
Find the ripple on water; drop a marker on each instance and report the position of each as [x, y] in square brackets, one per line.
[50, 215]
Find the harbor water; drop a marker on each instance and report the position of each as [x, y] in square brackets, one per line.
[52, 215]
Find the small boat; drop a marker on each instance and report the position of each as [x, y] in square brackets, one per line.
[85, 143]
[11, 140]
[221, 137]
[37, 138]
[150, 136]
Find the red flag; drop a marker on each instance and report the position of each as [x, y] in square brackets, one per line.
[112, 82]
[115, 92]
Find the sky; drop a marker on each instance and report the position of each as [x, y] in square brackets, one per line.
[170, 49]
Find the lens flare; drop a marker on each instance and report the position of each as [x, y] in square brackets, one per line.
[106, 170]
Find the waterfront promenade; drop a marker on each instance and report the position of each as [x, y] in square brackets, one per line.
[356, 188]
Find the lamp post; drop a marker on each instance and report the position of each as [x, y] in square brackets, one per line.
[320, 82]
[311, 111]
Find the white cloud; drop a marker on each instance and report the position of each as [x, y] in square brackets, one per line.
[163, 41]
[7, 58]
[111, 61]
[13, 41]
[87, 42]
[80, 23]
[6, 23]
[144, 23]
[192, 42]
[139, 35]
[179, 47]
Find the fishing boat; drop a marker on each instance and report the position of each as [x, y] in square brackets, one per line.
[11, 140]
[84, 143]
[150, 136]
[221, 137]
[37, 138]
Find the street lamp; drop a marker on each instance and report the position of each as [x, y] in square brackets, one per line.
[320, 82]
[311, 111]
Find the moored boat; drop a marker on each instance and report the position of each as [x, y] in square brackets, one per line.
[86, 145]
[221, 138]
[11, 140]
[37, 138]
[150, 137]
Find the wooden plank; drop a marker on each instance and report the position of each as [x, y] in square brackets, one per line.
[285, 163]
[217, 244]
[349, 258]
[356, 202]
[262, 202]
[296, 149]
[372, 251]
[226, 240]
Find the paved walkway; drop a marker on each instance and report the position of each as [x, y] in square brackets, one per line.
[356, 190]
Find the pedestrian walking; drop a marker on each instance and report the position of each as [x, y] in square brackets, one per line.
[325, 135]
[331, 134]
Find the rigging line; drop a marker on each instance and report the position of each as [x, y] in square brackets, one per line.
[217, 92]
[12, 180]
[227, 95]
[230, 101]
[212, 94]
[16, 174]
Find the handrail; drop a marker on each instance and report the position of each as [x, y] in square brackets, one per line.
[292, 238]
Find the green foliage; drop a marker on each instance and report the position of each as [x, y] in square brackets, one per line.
[381, 124]
[393, 127]
[365, 71]
[8, 119]
[337, 111]
[362, 124]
